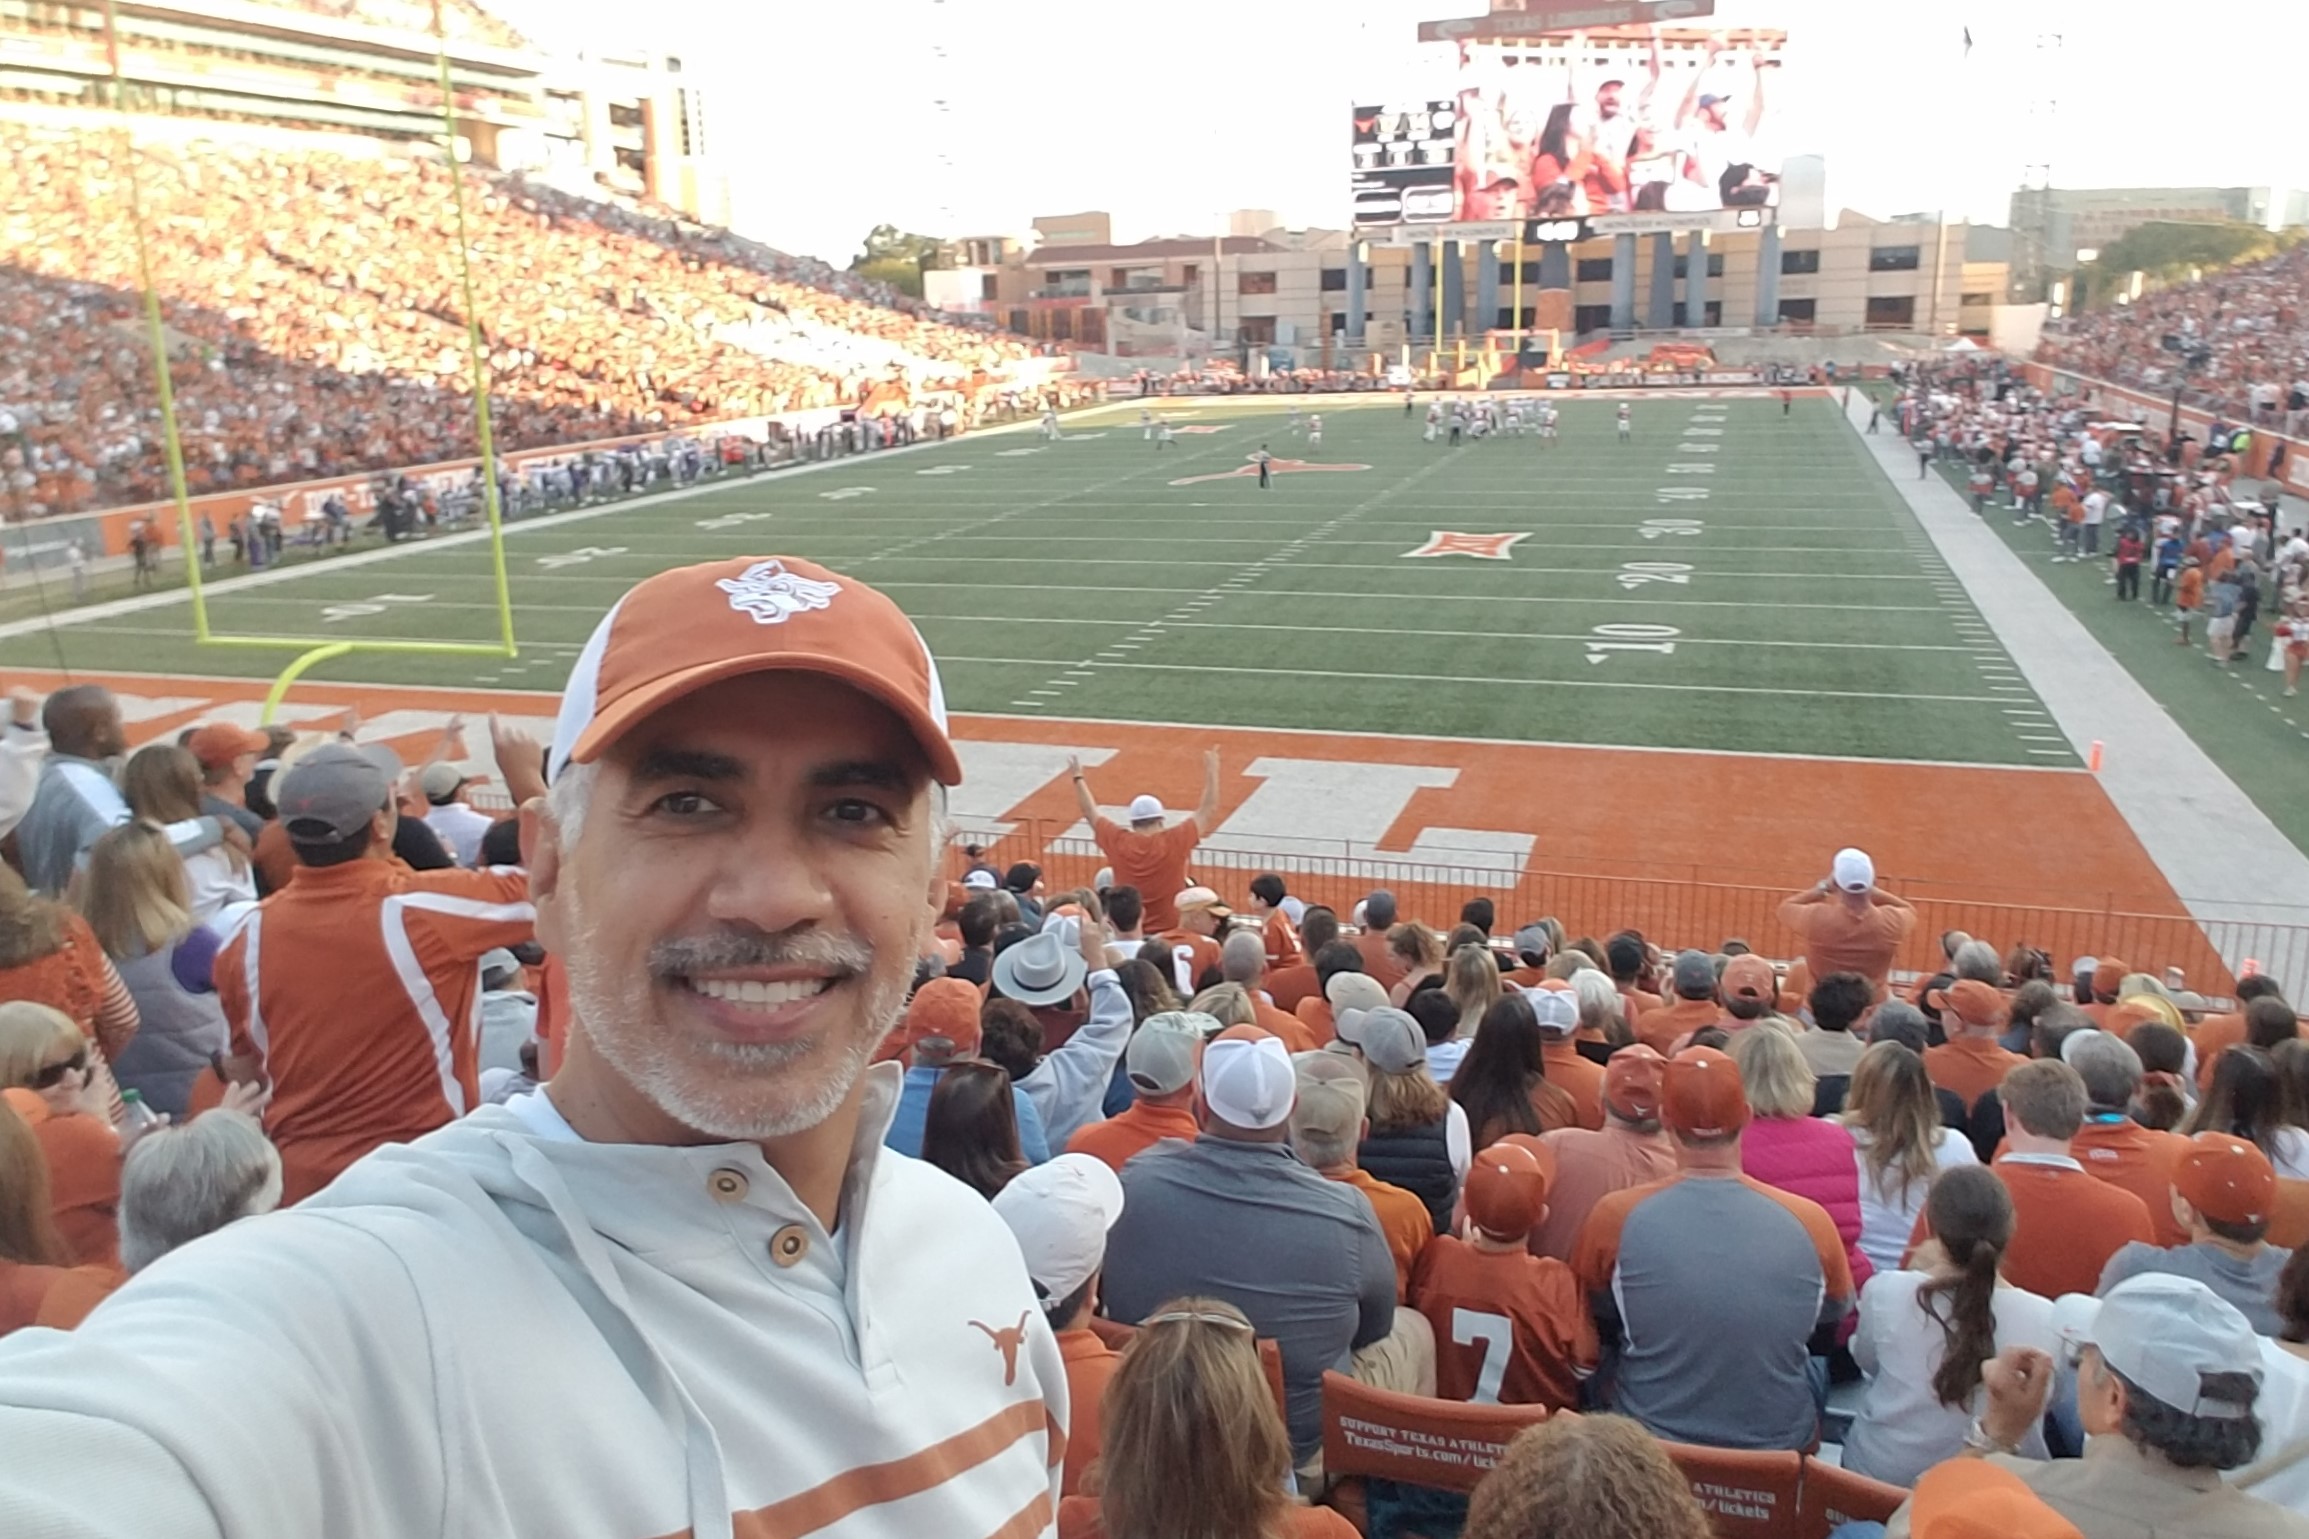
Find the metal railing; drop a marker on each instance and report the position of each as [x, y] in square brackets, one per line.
[1680, 905]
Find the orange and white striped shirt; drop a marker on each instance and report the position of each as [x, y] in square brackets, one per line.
[359, 986]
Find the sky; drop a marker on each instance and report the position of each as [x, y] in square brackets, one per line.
[970, 117]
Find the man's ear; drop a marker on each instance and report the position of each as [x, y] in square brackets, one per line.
[541, 856]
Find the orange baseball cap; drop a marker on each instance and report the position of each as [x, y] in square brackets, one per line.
[1702, 1095]
[1974, 1499]
[677, 632]
[220, 742]
[948, 1008]
[1506, 1190]
[1631, 1082]
[2226, 1179]
[1749, 977]
[2108, 974]
[1973, 1002]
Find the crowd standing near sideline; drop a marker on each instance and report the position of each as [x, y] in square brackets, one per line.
[2115, 490]
[595, 1131]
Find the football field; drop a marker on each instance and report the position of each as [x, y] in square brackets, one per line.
[1728, 578]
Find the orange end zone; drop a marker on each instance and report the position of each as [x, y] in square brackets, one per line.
[1693, 848]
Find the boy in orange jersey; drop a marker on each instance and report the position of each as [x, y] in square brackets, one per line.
[1511, 1328]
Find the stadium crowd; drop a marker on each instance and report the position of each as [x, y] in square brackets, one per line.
[570, 1120]
[313, 307]
[2235, 342]
[2211, 544]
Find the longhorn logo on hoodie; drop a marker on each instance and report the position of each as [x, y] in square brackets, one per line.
[1006, 1341]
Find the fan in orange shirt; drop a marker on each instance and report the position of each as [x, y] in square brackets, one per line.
[1510, 1327]
[1327, 1126]
[1193, 941]
[1148, 855]
[1270, 900]
[1164, 1065]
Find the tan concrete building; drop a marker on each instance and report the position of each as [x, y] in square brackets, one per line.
[1322, 295]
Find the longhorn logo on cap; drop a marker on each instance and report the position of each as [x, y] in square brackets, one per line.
[770, 593]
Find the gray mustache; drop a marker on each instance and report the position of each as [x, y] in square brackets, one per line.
[690, 955]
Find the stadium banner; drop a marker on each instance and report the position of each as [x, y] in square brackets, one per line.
[1506, 24]
[1613, 124]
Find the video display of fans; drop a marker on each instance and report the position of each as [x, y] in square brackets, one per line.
[1635, 120]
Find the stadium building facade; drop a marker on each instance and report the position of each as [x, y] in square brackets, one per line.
[1322, 295]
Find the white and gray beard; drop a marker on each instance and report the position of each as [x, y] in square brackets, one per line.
[730, 1090]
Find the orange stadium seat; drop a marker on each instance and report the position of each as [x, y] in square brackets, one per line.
[1421, 1441]
[1833, 1496]
[1749, 1494]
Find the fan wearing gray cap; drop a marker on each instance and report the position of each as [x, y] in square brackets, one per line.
[1691, 1003]
[1849, 924]
[1061, 1213]
[365, 973]
[447, 814]
[1327, 1128]
[1236, 1216]
[1054, 970]
[1163, 1064]
[1418, 1137]
[2168, 1382]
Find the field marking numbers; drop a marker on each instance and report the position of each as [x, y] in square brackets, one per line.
[1626, 637]
[580, 556]
[1635, 574]
[1670, 528]
[376, 605]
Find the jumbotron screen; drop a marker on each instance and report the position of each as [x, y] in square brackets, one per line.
[1633, 121]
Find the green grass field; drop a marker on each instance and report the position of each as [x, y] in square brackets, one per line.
[1728, 579]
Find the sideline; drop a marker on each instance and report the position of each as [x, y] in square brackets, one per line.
[2204, 833]
[112, 609]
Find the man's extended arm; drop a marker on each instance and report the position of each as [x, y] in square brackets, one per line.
[1083, 800]
[1207, 811]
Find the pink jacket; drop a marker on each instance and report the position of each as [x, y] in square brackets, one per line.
[1810, 1158]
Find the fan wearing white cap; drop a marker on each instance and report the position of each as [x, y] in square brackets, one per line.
[1151, 853]
[2168, 1385]
[1062, 974]
[1848, 923]
[1060, 1213]
[686, 1267]
[1236, 1216]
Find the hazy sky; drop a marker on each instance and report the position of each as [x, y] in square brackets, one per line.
[971, 116]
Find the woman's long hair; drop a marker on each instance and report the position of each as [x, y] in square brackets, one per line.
[1502, 1082]
[2246, 1099]
[30, 926]
[134, 893]
[162, 782]
[1416, 945]
[1891, 1100]
[970, 1130]
[1472, 980]
[1971, 1216]
[1193, 1444]
[28, 1234]
[1149, 992]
